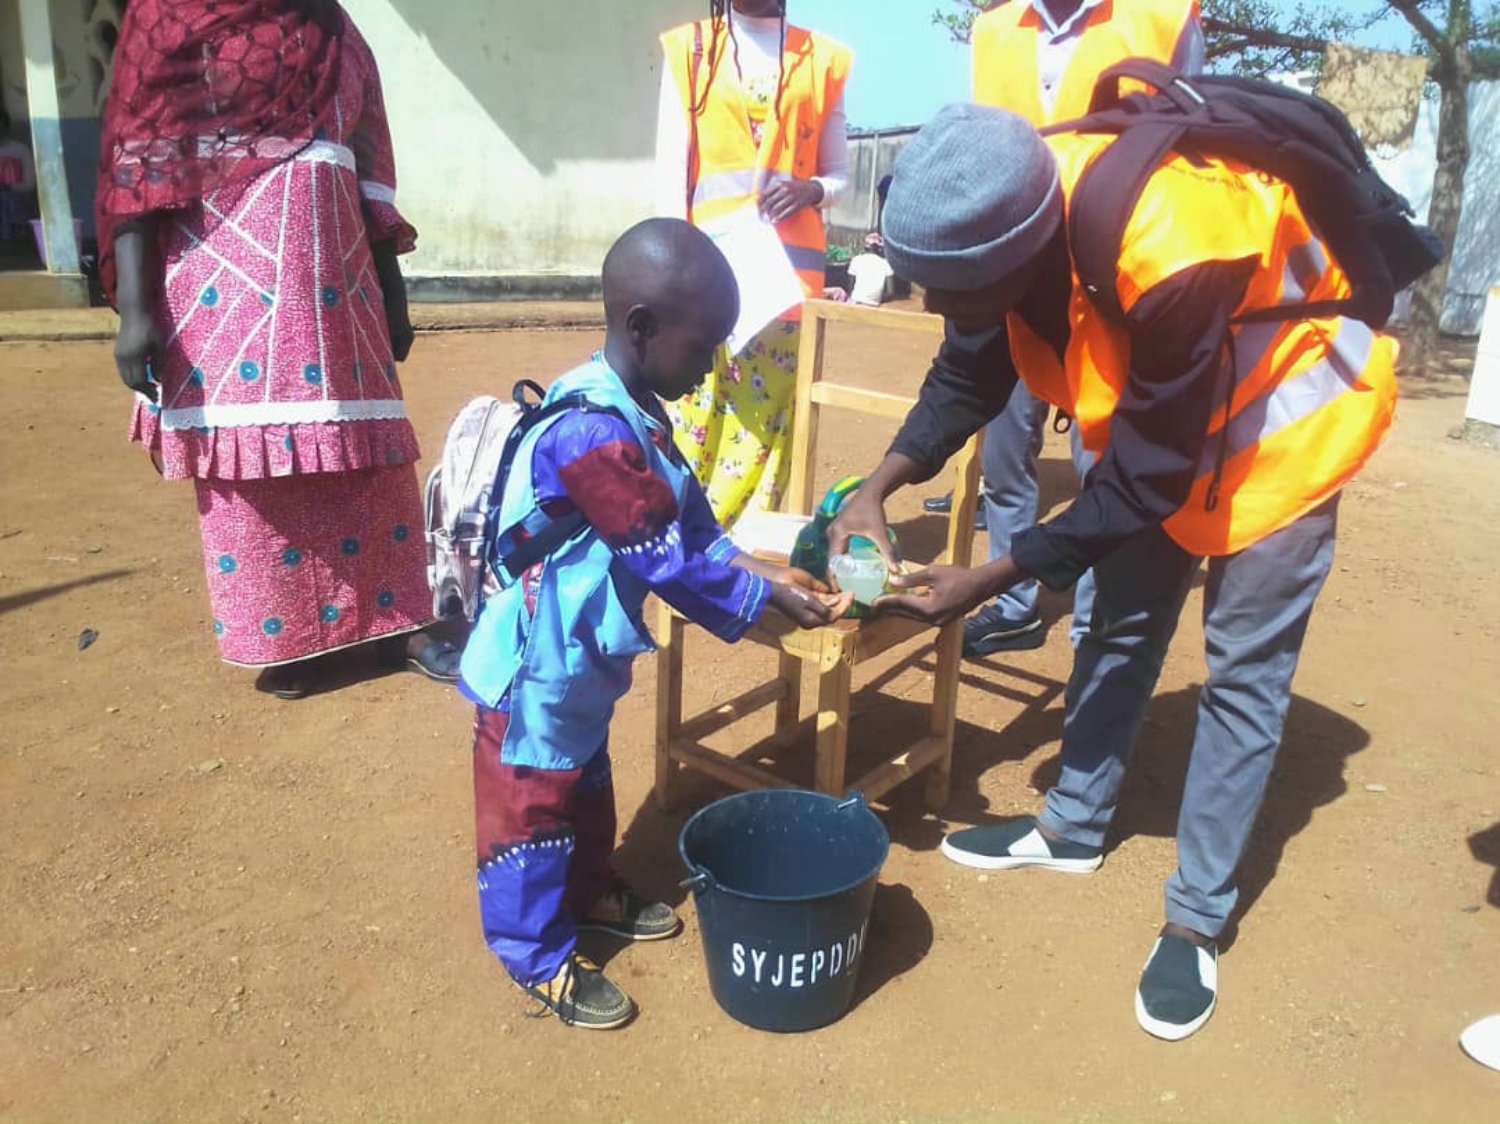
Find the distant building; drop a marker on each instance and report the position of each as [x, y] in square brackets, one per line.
[872, 156]
[524, 133]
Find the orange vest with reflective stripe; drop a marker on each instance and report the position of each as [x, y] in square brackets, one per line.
[1006, 74]
[1310, 400]
[730, 170]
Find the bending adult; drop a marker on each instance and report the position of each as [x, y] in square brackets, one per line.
[1216, 440]
[248, 236]
[1041, 59]
[751, 118]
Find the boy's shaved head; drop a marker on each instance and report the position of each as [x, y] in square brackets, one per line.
[673, 269]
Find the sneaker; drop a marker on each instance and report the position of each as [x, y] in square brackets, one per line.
[1018, 842]
[938, 505]
[1179, 987]
[582, 996]
[626, 914]
[943, 505]
[990, 630]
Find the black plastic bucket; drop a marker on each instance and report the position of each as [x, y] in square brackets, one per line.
[783, 880]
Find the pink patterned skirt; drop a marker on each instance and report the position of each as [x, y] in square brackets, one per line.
[301, 565]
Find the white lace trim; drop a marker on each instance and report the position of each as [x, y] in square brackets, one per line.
[379, 192]
[326, 152]
[281, 413]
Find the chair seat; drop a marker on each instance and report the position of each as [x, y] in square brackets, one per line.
[863, 639]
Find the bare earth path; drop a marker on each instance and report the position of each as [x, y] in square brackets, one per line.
[217, 907]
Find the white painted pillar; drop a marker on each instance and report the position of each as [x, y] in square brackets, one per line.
[46, 138]
[1484, 386]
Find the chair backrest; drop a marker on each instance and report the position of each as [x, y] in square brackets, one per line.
[813, 394]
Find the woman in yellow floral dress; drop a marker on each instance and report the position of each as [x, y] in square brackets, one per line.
[752, 116]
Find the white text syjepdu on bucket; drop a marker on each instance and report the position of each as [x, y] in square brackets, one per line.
[797, 969]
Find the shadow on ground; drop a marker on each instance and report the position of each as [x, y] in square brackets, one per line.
[1309, 774]
[1485, 846]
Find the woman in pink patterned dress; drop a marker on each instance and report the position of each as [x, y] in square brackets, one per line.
[249, 240]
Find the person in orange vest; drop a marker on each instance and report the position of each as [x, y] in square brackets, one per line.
[1041, 59]
[1216, 441]
[751, 119]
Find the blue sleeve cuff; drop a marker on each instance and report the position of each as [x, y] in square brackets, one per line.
[723, 550]
[752, 607]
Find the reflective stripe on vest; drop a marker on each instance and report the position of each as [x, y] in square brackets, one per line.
[1312, 399]
[1297, 397]
[1006, 41]
[732, 171]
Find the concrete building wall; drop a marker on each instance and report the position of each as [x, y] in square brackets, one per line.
[524, 132]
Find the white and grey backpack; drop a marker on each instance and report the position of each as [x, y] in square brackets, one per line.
[468, 557]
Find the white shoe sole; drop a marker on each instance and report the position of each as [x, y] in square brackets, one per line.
[1013, 862]
[1170, 1032]
[628, 934]
[1482, 1042]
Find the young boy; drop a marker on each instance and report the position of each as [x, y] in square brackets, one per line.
[551, 653]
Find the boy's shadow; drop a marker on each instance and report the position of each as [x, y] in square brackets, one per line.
[1309, 773]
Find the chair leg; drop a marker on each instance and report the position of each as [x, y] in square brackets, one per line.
[789, 706]
[672, 634]
[835, 678]
[950, 646]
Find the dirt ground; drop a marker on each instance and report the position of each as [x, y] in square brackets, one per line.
[221, 907]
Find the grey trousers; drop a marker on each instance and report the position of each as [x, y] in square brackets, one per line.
[1256, 607]
[1012, 444]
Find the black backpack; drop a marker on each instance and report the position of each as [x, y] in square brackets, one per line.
[1302, 140]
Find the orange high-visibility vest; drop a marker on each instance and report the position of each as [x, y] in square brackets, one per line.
[1005, 42]
[1311, 400]
[728, 171]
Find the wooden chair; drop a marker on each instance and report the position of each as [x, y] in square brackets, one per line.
[834, 650]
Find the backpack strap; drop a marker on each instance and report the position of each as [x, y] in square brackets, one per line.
[1104, 202]
[1109, 191]
[1171, 83]
[519, 547]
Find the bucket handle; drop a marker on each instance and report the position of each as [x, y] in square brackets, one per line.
[700, 880]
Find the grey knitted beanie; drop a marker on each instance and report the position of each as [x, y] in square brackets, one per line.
[975, 195]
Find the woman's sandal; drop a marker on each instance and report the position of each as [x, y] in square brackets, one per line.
[438, 660]
[287, 682]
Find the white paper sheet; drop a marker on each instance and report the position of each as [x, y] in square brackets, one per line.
[768, 532]
[1484, 384]
[768, 283]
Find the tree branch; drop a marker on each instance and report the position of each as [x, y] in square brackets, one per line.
[1428, 30]
[1262, 37]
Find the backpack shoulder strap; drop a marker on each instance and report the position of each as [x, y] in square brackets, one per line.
[1164, 79]
[517, 548]
[1105, 199]
[1108, 192]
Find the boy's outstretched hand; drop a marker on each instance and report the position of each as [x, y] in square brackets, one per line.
[810, 609]
[797, 594]
[790, 575]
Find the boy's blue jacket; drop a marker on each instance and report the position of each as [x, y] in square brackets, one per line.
[560, 669]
